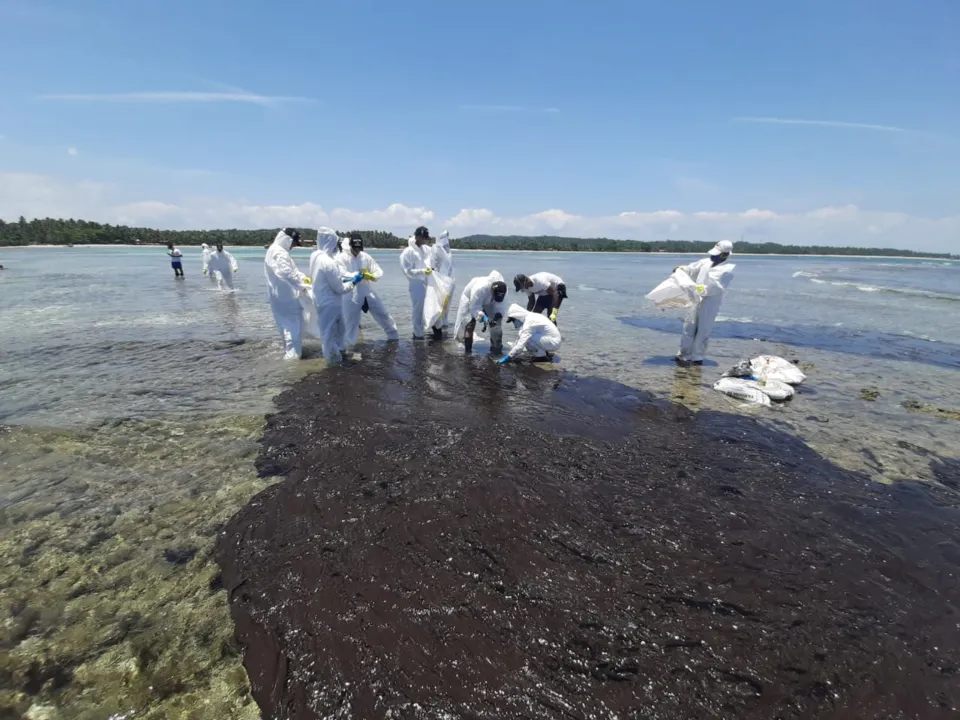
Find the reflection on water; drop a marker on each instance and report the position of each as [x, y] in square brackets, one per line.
[832, 338]
[687, 382]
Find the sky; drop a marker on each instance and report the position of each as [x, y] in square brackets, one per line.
[817, 122]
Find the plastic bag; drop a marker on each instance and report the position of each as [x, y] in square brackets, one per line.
[768, 367]
[439, 288]
[771, 367]
[741, 389]
[677, 291]
[311, 322]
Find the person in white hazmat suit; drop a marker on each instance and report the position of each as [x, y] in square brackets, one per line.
[222, 266]
[329, 288]
[443, 265]
[698, 326]
[415, 260]
[545, 292]
[538, 335]
[483, 301]
[285, 285]
[205, 252]
[352, 260]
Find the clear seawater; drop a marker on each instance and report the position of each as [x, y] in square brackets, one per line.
[131, 403]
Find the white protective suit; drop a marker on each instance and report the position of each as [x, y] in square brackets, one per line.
[477, 297]
[363, 292]
[699, 324]
[285, 285]
[205, 253]
[443, 264]
[537, 334]
[222, 266]
[542, 282]
[415, 260]
[329, 289]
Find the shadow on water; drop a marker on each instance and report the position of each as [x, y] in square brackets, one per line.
[671, 361]
[823, 337]
[459, 539]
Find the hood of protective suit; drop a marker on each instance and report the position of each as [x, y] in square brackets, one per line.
[283, 240]
[412, 242]
[444, 240]
[328, 241]
[517, 312]
[495, 277]
[724, 246]
[204, 246]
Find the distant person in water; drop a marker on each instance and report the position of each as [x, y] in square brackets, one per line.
[698, 326]
[545, 292]
[176, 260]
[205, 252]
[222, 266]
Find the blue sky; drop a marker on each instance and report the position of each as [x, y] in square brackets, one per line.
[817, 121]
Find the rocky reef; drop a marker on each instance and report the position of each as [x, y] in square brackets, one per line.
[457, 539]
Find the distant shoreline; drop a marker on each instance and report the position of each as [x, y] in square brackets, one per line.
[532, 252]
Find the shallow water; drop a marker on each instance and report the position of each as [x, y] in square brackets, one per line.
[132, 404]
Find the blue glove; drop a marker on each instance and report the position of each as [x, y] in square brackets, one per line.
[482, 318]
[504, 360]
[354, 278]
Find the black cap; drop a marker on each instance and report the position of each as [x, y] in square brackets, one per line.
[499, 290]
[356, 241]
[520, 282]
[421, 232]
[293, 234]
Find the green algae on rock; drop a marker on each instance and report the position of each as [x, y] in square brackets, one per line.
[96, 621]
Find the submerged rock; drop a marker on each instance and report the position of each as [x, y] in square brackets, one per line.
[457, 539]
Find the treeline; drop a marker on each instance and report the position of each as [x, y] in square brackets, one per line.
[51, 231]
[564, 244]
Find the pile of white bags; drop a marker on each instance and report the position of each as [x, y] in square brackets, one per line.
[761, 380]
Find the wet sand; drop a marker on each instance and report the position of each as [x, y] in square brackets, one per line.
[454, 539]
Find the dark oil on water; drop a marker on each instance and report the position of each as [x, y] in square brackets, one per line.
[455, 539]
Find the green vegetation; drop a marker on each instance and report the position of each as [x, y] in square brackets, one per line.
[80, 232]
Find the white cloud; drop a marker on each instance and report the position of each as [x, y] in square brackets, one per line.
[508, 109]
[177, 96]
[823, 123]
[41, 196]
[72, 152]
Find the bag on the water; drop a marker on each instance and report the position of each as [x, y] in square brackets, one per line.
[746, 390]
[768, 367]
